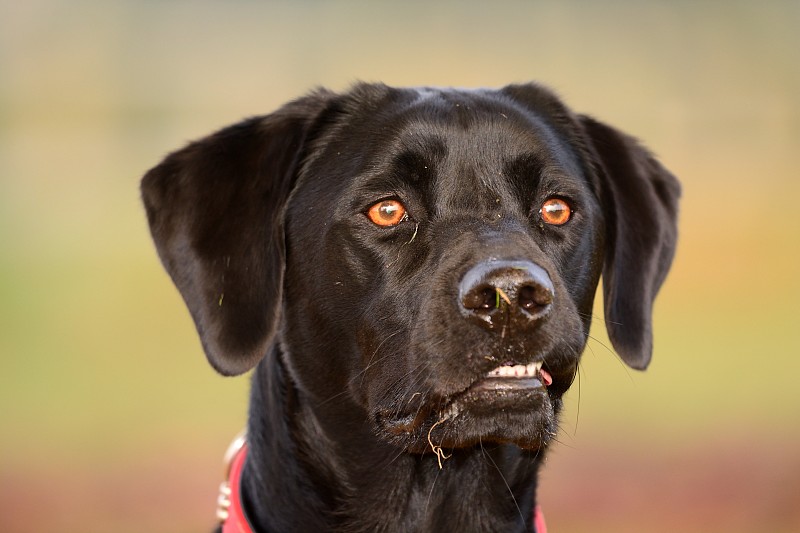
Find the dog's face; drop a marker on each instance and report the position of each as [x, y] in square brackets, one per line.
[423, 263]
[427, 257]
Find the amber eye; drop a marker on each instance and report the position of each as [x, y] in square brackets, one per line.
[387, 213]
[555, 211]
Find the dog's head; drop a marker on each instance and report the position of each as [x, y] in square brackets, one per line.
[429, 257]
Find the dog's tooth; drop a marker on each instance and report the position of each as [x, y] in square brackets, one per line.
[533, 368]
[511, 371]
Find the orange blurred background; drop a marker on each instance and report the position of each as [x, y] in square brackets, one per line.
[112, 421]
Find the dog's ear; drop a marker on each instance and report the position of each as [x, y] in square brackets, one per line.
[640, 202]
[215, 210]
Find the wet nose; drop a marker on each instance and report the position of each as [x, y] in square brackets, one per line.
[506, 293]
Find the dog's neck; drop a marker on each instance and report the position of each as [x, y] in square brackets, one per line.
[304, 474]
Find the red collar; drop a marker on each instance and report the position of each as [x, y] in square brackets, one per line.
[230, 510]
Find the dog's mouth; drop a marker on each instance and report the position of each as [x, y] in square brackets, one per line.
[510, 376]
[509, 386]
[513, 402]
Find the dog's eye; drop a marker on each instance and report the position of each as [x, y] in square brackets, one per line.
[387, 213]
[555, 212]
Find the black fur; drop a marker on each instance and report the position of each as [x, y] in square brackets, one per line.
[367, 358]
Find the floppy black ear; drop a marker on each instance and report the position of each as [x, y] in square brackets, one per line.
[640, 200]
[215, 210]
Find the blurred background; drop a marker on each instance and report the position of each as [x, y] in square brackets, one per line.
[112, 421]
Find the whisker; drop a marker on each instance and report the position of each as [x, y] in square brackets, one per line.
[433, 486]
[604, 345]
[399, 454]
[513, 498]
[401, 399]
[362, 373]
[562, 443]
[599, 318]
[418, 369]
[617, 358]
[323, 402]
[369, 363]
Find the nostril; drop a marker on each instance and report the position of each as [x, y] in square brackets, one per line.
[534, 297]
[480, 298]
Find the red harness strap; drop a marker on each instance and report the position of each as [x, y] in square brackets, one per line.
[231, 511]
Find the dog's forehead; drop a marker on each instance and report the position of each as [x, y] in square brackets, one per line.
[459, 134]
[480, 125]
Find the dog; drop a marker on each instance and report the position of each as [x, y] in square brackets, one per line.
[411, 273]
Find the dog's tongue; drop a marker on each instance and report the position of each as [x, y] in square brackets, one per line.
[545, 376]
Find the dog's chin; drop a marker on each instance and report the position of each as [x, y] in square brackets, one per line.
[520, 412]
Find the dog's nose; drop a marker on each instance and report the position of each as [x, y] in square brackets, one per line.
[506, 293]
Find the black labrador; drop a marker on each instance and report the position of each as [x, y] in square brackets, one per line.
[411, 272]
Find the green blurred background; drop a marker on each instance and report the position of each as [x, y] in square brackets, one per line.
[110, 418]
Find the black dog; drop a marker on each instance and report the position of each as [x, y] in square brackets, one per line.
[411, 272]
